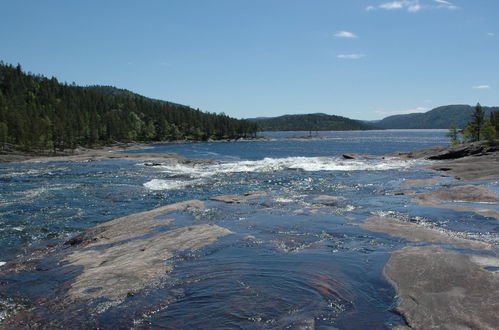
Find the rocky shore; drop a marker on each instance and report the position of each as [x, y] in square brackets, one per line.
[438, 287]
[116, 152]
[443, 280]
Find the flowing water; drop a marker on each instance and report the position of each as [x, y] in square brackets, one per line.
[294, 260]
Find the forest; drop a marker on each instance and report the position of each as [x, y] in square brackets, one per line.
[42, 114]
[310, 122]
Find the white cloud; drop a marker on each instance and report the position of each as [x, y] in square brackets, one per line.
[481, 87]
[445, 4]
[393, 5]
[345, 34]
[490, 34]
[413, 6]
[402, 112]
[350, 56]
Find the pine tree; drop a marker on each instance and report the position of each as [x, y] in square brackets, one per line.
[477, 121]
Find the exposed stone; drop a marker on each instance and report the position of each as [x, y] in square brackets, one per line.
[133, 225]
[417, 233]
[462, 194]
[442, 289]
[122, 269]
[127, 254]
[472, 169]
[448, 152]
[329, 198]
[350, 156]
[240, 198]
[466, 194]
[419, 183]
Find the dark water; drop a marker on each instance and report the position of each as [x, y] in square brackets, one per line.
[293, 261]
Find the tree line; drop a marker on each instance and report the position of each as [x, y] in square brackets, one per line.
[40, 113]
[310, 122]
[478, 129]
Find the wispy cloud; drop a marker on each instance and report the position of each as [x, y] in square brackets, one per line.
[412, 6]
[345, 34]
[445, 4]
[481, 87]
[351, 56]
[402, 112]
[490, 34]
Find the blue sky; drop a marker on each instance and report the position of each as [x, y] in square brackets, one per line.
[364, 59]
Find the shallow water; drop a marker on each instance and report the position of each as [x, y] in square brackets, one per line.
[293, 261]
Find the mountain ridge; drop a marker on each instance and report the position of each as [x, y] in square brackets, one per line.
[440, 117]
[309, 122]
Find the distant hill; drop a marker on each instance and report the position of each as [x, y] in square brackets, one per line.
[38, 113]
[442, 117]
[310, 122]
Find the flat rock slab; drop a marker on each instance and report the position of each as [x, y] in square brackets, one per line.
[447, 152]
[417, 233]
[419, 183]
[123, 269]
[474, 168]
[462, 194]
[329, 198]
[127, 254]
[466, 194]
[442, 289]
[238, 199]
[133, 225]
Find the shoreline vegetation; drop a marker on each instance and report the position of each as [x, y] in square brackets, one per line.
[436, 286]
[39, 114]
[115, 151]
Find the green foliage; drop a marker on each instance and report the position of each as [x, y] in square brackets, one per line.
[480, 128]
[477, 121]
[4, 133]
[310, 122]
[40, 113]
[494, 121]
[454, 134]
[489, 132]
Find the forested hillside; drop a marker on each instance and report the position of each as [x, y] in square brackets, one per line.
[41, 113]
[441, 117]
[310, 122]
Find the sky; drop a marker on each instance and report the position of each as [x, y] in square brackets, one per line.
[363, 59]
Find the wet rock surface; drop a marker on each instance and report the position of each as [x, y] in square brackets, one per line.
[480, 198]
[237, 199]
[466, 162]
[443, 289]
[449, 152]
[472, 169]
[419, 183]
[417, 233]
[123, 269]
[106, 266]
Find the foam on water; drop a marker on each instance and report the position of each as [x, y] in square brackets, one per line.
[158, 184]
[180, 176]
[309, 164]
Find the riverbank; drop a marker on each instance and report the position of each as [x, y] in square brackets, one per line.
[114, 152]
[439, 287]
[118, 151]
